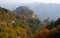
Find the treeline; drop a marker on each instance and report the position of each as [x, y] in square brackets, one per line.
[51, 31]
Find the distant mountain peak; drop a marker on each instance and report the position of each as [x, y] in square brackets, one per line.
[24, 10]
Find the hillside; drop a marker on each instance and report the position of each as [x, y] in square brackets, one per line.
[13, 25]
[24, 10]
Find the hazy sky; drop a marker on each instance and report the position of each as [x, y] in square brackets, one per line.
[27, 1]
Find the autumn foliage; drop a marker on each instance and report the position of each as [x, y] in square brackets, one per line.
[14, 25]
[45, 33]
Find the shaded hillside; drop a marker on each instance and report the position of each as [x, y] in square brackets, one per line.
[24, 10]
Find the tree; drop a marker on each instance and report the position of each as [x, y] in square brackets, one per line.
[57, 22]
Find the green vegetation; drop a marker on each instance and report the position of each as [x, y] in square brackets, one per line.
[13, 25]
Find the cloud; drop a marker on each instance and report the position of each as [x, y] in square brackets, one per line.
[50, 1]
[27, 1]
[17, 1]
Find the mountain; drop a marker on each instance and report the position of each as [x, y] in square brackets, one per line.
[44, 11]
[24, 10]
[14, 25]
[20, 24]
